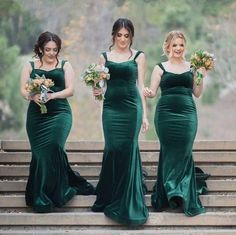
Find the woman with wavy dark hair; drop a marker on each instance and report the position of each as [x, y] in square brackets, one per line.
[120, 192]
[51, 181]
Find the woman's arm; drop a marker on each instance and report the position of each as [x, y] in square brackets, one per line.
[69, 84]
[96, 91]
[155, 82]
[25, 75]
[141, 61]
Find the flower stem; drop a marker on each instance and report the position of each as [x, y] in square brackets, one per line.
[43, 108]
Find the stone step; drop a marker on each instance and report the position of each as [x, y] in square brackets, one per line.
[221, 219]
[226, 185]
[18, 201]
[215, 157]
[94, 171]
[147, 157]
[123, 232]
[22, 145]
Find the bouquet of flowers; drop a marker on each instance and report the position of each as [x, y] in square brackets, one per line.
[40, 85]
[96, 75]
[201, 59]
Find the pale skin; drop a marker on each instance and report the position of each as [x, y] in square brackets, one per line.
[175, 64]
[121, 53]
[49, 60]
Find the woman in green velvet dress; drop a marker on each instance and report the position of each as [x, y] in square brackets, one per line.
[51, 181]
[176, 126]
[120, 193]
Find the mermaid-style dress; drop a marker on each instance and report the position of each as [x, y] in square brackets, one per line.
[51, 181]
[176, 126]
[120, 188]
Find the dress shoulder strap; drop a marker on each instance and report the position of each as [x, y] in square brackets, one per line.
[105, 55]
[63, 63]
[32, 64]
[161, 66]
[137, 54]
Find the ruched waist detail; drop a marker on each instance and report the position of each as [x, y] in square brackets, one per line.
[177, 90]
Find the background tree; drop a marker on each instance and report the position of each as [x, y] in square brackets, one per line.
[85, 28]
[10, 102]
[19, 26]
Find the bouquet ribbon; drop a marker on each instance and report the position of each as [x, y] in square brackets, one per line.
[44, 98]
[199, 77]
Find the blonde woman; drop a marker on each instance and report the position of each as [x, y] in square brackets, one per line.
[176, 126]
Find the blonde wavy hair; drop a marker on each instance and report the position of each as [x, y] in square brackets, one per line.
[170, 37]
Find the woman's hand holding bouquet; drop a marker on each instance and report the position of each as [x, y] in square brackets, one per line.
[39, 88]
[200, 62]
[96, 75]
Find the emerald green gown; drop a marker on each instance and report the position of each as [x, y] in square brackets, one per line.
[176, 126]
[119, 191]
[51, 181]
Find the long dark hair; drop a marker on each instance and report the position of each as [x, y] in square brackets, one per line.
[119, 24]
[43, 39]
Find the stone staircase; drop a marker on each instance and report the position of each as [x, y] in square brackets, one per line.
[215, 157]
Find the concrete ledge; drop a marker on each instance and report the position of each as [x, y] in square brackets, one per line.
[147, 157]
[23, 145]
[131, 231]
[94, 171]
[88, 219]
[18, 201]
[228, 185]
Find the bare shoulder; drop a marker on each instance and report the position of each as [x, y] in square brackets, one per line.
[67, 63]
[28, 66]
[134, 52]
[140, 57]
[36, 63]
[165, 63]
[158, 70]
[102, 59]
[67, 66]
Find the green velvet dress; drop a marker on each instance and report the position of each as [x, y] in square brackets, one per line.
[176, 126]
[51, 181]
[120, 189]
